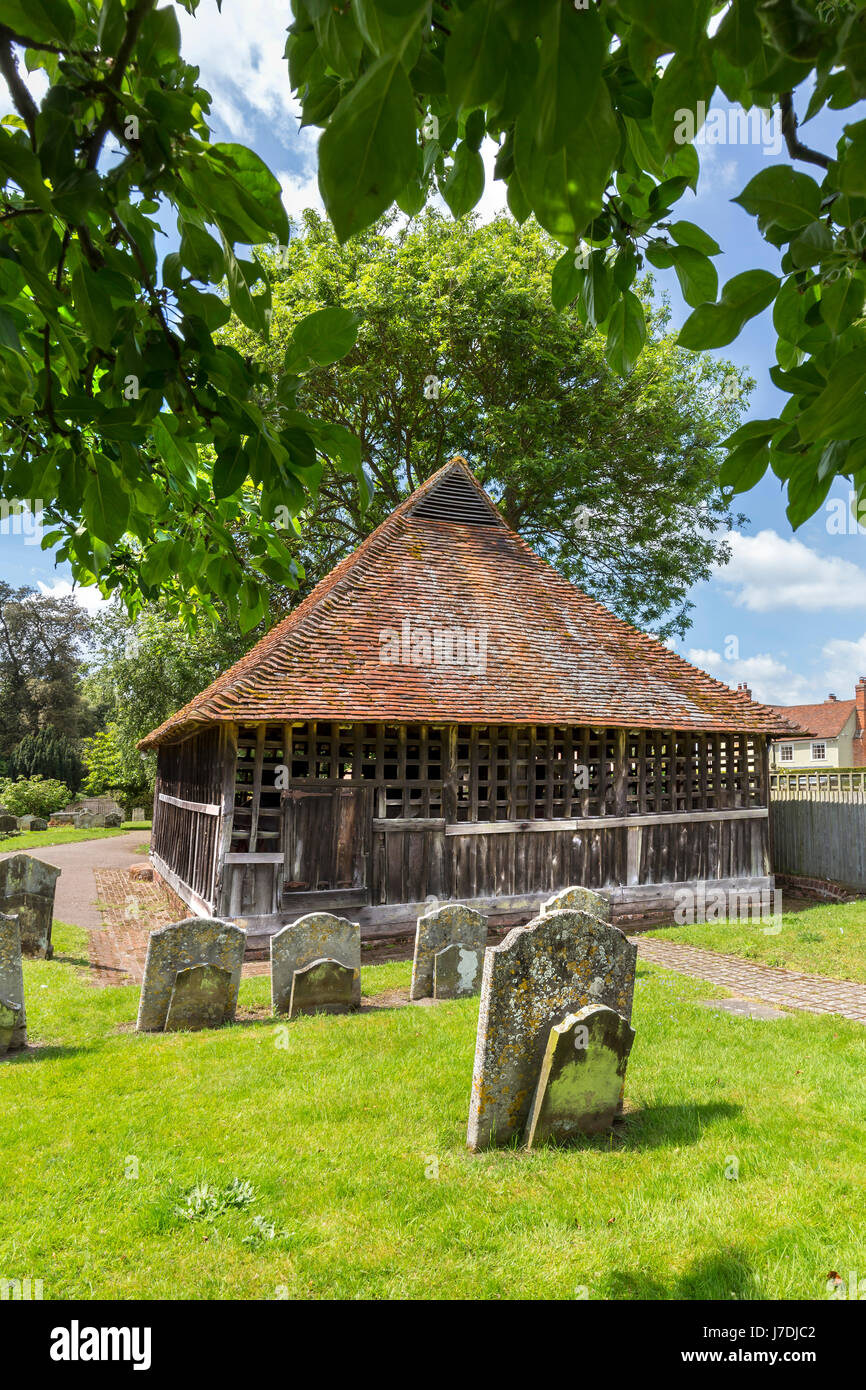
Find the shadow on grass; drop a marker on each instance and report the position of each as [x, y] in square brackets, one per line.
[664, 1126]
[724, 1275]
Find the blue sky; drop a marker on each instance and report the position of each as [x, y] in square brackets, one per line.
[787, 614]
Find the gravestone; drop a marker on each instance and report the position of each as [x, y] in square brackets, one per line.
[62, 818]
[323, 987]
[316, 937]
[457, 972]
[13, 1021]
[580, 1086]
[26, 822]
[138, 813]
[8, 824]
[451, 925]
[201, 998]
[581, 898]
[183, 945]
[90, 820]
[554, 966]
[112, 821]
[37, 823]
[27, 887]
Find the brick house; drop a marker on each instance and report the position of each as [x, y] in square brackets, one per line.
[832, 734]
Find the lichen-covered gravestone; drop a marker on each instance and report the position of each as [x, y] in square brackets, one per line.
[323, 987]
[580, 1086]
[554, 966]
[201, 998]
[27, 887]
[457, 972]
[581, 898]
[316, 937]
[8, 824]
[181, 947]
[451, 925]
[13, 1021]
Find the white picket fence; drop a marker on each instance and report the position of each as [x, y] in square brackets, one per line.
[820, 833]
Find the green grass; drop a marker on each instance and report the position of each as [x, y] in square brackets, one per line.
[136, 825]
[62, 835]
[825, 940]
[340, 1130]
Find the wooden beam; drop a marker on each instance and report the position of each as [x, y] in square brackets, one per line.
[206, 808]
[257, 784]
[503, 827]
[254, 857]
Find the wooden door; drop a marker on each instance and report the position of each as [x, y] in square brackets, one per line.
[326, 837]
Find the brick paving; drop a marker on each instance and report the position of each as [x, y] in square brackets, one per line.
[816, 994]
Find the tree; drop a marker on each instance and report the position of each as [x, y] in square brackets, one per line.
[33, 796]
[120, 412]
[143, 671]
[594, 109]
[48, 753]
[460, 350]
[43, 638]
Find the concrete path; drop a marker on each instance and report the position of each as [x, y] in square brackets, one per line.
[815, 994]
[75, 898]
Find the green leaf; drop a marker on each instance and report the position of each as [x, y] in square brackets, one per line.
[790, 309]
[597, 289]
[696, 274]
[566, 281]
[229, 471]
[626, 333]
[251, 309]
[746, 465]
[391, 26]
[687, 234]
[106, 504]
[842, 302]
[677, 24]
[838, 412]
[716, 325]
[49, 21]
[688, 80]
[367, 152]
[200, 254]
[93, 305]
[9, 334]
[812, 245]
[781, 197]
[565, 189]
[477, 55]
[573, 47]
[324, 336]
[739, 35]
[465, 182]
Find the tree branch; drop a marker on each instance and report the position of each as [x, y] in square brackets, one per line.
[134, 21]
[24, 103]
[796, 149]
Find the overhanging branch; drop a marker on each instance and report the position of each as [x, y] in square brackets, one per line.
[796, 149]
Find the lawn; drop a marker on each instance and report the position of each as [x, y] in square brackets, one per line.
[825, 940]
[326, 1158]
[64, 835]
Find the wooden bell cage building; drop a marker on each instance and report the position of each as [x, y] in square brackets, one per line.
[446, 717]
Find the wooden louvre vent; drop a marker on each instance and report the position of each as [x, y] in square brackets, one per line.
[455, 499]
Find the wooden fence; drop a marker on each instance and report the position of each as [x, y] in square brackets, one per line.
[820, 833]
[837, 779]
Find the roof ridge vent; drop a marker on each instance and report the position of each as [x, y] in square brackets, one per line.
[455, 499]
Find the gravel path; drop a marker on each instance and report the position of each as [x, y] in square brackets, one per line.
[75, 899]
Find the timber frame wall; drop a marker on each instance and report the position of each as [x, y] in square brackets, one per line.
[378, 817]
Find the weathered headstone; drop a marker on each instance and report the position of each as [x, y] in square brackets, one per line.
[25, 822]
[554, 966]
[27, 887]
[323, 987]
[38, 823]
[8, 824]
[201, 998]
[13, 1021]
[183, 945]
[580, 1086]
[450, 925]
[112, 821]
[89, 820]
[584, 899]
[457, 972]
[138, 813]
[318, 936]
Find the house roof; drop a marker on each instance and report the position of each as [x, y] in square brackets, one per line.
[445, 561]
[826, 720]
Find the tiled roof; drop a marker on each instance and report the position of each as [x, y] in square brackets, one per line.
[553, 655]
[826, 720]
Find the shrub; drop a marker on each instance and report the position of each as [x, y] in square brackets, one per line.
[48, 753]
[33, 796]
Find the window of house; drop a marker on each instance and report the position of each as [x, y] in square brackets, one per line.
[819, 752]
[786, 753]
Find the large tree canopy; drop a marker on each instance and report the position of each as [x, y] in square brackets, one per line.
[143, 434]
[460, 350]
[595, 107]
[43, 640]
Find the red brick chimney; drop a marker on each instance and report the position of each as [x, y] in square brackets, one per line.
[741, 685]
[860, 700]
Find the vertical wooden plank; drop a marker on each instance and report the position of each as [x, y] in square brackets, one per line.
[532, 755]
[424, 768]
[257, 785]
[602, 777]
[512, 772]
[228, 759]
[401, 768]
[568, 784]
[621, 773]
[473, 772]
[449, 786]
[551, 763]
[380, 774]
[703, 771]
[584, 760]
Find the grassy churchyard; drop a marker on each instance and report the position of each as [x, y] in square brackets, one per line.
[826, 940]
[326, 1158]
[64, 835]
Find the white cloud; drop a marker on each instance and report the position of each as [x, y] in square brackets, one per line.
[300, 191]
[768, 573]
[90, 598]
[240, 53]
[770, 680]
[846, 663]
